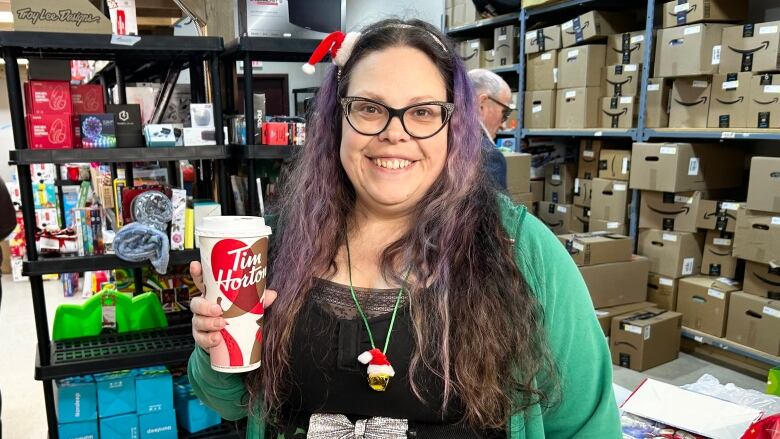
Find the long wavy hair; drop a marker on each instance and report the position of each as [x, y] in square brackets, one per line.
[475, 322]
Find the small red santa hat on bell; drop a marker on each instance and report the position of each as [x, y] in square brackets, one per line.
[338, 44]
[377, 363]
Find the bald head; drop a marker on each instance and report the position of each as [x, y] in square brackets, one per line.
[491, 92]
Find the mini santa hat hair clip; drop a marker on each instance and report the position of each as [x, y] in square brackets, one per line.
[338, 44]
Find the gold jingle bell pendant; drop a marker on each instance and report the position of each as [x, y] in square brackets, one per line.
[379, 369]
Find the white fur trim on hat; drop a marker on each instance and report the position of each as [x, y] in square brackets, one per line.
[386, 369]
[345, 51]
[308, 69]
[365, 357]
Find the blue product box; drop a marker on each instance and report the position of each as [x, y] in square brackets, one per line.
[153, 390]
[159, 425]
[160, 135]
[119, 427]
[76, 399]
[116, 393]
[79, 430]
[193, 415]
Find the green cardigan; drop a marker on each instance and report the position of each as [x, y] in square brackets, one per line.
[587, 407]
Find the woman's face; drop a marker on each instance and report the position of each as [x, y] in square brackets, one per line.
[392, 171]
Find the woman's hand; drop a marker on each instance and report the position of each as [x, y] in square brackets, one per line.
[206, 316]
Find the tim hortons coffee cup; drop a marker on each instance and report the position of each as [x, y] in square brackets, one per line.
[234, 256]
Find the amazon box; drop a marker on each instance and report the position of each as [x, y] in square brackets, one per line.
[704, 303]
[662, 291]
[518, 172]
[682, 12]
[592, 26]
[558, 217]
[559, 183]
[581, 66]
[717, 259]
[764, 107]
[717, 215]
[542, 71]
[597, 248]
[588, 161]
[658, 91]
[671, 254]
[646, 338]
[751, 47]
[472, 52]
[542, 40]
[762, 280]
[757, 237]
[537, 189]
[754, 322]
[622, 79]
[764, 185]
[577, 107]
[669, 211]
[539, 109]
[605, 315]
[525, 198]
[690, 102]
[582, 192]
[679, 167]
[615, 164]
[626, 48]
[619, 227]
[618, 112]
[730, 97]
[688, 50]
[581, 220]
[617, 283]
[609, 200]
[505, 45]
[463, 13]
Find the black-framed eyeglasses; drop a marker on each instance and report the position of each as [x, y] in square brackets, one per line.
[421, 121]
[506, 110]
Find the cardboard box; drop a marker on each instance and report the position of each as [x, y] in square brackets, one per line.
[463, 13]
[76, 399]
[609, 200]
[129, 133]
[581, 221]
[764, 107]
[524, 198]
[658, 91]
[678, 167]
[119, 427]
[47, 97]
[622, 79]
[619, 227]
[50, 131]
[115, 392]
[558, 217]
[581, 66]
[717, 215]
[542, 40]
[751, 47]
[730, 98]
[537, 189]
[593, 25]
[78, 430]
[64, 16]
[577, 107]
[192, 413]
[518, 172]
[626, 48]
[662, 291]
[646, 338]
[704, 302]
[87, 98]
[690, 102]
[588, 161]
[473, 51]
[582, 192]
[619, 112]
[605, 315]
[597, 248]
[754, 322]
[762, 280]
[158, 425]
[617, 283]
[688, 50]
[540, 109]
[678, 13]
[615, 164]
[505, 45]
[153, 389]
[542, 71]
[671, 254]
[669, 211]
[764, 184]
[717, 259]
[757, 237]
[559, 183]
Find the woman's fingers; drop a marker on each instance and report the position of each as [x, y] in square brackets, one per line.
[200, 306]
[206, 340]
[196, 271]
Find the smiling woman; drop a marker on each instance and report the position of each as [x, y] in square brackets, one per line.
[411, 299]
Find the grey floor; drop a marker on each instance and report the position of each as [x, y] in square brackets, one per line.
[24, 416]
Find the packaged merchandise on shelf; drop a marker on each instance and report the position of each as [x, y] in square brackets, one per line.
[44, 195]
[645, 338]
[729, 101]
[558, 217]
[87, 98]
[123, 17]
[129, 133]
[201, 209]
[581, 66]
[677, 13]
[593, 25]
[609, 200]
[605, 315]
[762, 280]
[757, 237]
[617, 283]
[559, 182]
[690, 102]
[193, 414]
[764, 108]
[543, 39]
[577, 107]
[153, 389]
[588, 161]
[505, 45]
[47, 97]
[670, 211]
[717, 215]
[622, 79]
[542, 71]
[70, 284]
[662, 291]
[115, 393]
[540, 109]
[704, 303]
[597, 248]
[518, 172]
[754, 322]
[658, 91]
[615, 164]
[751, 47]
[626, 48]
[119, 427]
[158, 425]
[688, 50]
[671, 254]
[98, 130]
[179, 203]
[472, 52]
[581, 221]
[78, 430]
[717, 259]
[160, 135]
[47, 219]
[583, 192]
[199, 136]
[547, 150]
[51, 131]
[201, 115]
[619, 112]
[75, 399]
[678, 167]
[764, 184]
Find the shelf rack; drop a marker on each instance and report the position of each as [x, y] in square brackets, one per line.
[728, 345]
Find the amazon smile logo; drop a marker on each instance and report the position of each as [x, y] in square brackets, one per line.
[683, 210]
[764, 46]
[702, 100]
[735, 101]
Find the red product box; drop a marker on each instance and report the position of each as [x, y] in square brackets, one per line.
[50, 131]
[48, 97]
[275, 133]
[76, 127]
[87, 98]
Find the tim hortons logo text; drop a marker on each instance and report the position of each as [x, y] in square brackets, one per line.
[61, 16]
[245, 270]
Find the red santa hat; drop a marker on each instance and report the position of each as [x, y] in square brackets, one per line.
[377, 362]
[338, 44]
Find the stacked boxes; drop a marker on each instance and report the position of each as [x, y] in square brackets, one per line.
[542, 48]
[460, 13]
[609, 192]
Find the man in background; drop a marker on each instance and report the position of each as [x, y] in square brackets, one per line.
[494, 99]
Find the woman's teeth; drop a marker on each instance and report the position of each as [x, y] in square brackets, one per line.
[392, 163]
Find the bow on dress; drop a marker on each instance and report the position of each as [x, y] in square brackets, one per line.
[333, 426]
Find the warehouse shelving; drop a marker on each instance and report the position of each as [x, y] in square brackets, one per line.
[728, 345]
[479, 26]
[710, 133]
[585, 132]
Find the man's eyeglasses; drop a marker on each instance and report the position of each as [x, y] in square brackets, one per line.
[421, 121]
[506, 110]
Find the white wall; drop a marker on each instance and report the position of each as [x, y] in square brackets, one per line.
[363, 12]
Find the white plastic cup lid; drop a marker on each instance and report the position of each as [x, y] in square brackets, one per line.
[233, 227]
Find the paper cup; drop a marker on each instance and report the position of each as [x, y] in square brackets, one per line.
[234, 256]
